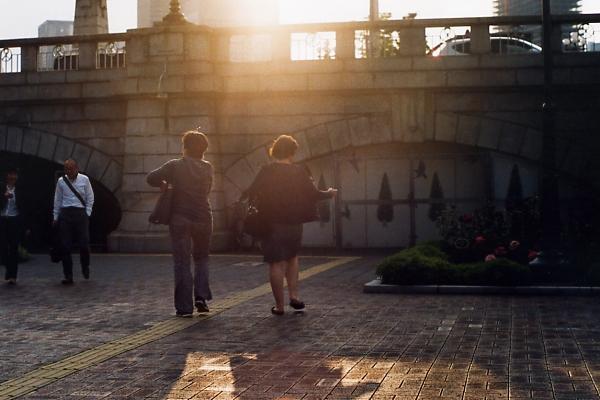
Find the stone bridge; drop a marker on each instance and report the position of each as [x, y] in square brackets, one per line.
[396, 129]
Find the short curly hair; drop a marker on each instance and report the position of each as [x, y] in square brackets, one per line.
[283, 147]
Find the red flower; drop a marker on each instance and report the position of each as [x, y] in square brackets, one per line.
[532, 254]
[479, 240]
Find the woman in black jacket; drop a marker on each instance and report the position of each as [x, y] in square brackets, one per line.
[12, 220]
[286, 198]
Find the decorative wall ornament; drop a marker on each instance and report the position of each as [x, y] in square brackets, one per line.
[58, 51]
[436, 196]
[385, 210]
[421, 171]
[6, 54]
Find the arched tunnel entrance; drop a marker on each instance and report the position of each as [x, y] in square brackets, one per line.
[37, 178]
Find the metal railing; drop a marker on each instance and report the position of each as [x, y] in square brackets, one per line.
[58, 58]
[111, 55]
[65, 53]
[419, 37]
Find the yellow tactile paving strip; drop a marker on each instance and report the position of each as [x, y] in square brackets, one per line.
[51, 373]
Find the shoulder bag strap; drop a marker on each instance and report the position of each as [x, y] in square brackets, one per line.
[75, 192]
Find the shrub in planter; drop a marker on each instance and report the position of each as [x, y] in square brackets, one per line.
[428, 265]
[412, 269]
[498, 272]
[419, 265]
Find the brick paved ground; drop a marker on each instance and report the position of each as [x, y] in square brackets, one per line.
[347, 345]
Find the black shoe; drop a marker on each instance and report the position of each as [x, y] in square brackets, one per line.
[67, 281]
[86, 273]
[11, 281]
[184, 315]
[297, 304]
[275, 311]
[201, 306]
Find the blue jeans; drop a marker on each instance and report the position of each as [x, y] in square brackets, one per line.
[189, 239]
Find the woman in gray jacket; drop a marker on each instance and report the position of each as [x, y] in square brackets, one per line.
[190, 226]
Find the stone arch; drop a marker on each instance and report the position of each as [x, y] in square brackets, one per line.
[475, 130]
[56, 148]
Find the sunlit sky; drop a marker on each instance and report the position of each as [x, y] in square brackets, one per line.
[21, 18]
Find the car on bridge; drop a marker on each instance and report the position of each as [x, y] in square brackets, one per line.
[461, 45]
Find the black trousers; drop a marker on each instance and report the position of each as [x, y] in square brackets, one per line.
[73, 226]
[10, 234]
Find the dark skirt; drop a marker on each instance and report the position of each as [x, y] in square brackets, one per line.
[282, 243]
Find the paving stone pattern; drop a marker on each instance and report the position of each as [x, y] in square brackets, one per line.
[42, 321]
[347, 345]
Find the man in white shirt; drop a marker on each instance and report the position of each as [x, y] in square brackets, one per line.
[12, 221]
[73, 203]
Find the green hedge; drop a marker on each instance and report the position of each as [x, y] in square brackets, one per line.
[427, 264]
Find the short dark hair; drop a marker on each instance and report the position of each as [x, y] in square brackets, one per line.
[11, 170]
[283, 147]
[195, 143]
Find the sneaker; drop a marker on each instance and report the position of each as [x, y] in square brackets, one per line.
[201, 306]
[11, 281]
[86, 273]
[67, 281]
[184, 315]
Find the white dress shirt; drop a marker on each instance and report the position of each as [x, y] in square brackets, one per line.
[11, 204]
[64, 196]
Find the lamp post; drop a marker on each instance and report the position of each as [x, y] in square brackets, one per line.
[175, 16]
[550, 255]
[374, 34]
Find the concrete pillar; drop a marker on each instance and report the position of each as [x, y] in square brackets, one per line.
[87, 55]
[91, 17]
[281, 46]
[412, 41]
[344, 44]
[29, 61]
[480, 39]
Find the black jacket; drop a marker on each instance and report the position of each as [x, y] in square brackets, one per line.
[285, 194]
[22, 207]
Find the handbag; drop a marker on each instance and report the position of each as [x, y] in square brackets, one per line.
[161, 215]
[254, 223]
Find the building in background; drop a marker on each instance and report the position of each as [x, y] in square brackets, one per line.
[52, 28]
[215, 13]
[532, 7]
